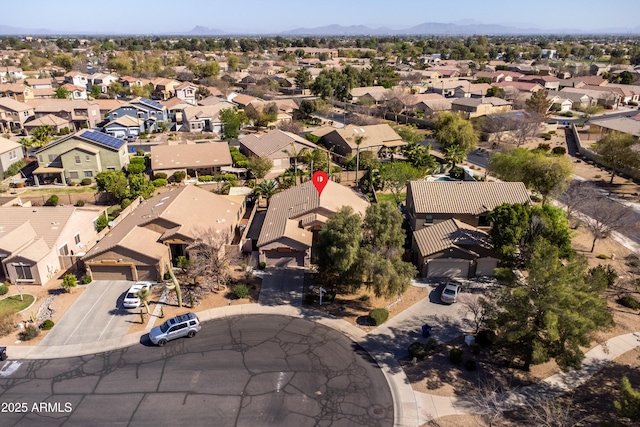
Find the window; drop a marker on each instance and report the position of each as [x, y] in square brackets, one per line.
[428, 219]
[12, 155]
[52, 157]
[483, 221]
[77, 160]
[23, 271]
[76, 238]
[40, 159]
[88, 174]
[74, 175]
[141, 115]
[87, 158]
[63, 250]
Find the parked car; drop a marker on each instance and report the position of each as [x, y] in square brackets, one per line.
[183, 325]
[130, 299]
[450, 293]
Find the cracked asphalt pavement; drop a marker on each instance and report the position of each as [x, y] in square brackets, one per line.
[258, 370]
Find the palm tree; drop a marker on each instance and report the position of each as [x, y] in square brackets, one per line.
[266, 189]
[294, 154]
[144, 294]
[358, 139]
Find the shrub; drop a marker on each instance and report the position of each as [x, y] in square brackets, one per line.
[85, 181]
[431, 345]
[179, 176]
[552, 132]
[101, 223]
[52, 201]
[602, 256]
[475, 348]
[598, 176]
[365, 297]
[535, 198]
[125, 203]
[8, 322]
[4, 289]
[455, 356]
[137, 160]
[546, 137]
[417, 350]
[69, 281]
[629, 302]
[241, 291]
[559, 151]
[543, 146]
[262, 265]
[15, 168]
[140, 153]
[136, 168]
[159, 182]
[470, 365]
[378, 316]
[85, 280]
[80, 203]
[485, 337]
[456, 173]
[160, 175]
[205, 178]
[29, 333]
[47, 325]
[309, 299]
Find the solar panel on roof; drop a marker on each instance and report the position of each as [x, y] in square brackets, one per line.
[152, 103]
[102, 138]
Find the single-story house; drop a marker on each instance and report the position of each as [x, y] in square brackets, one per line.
[374, 138]
[150, 238]
[207, 158]
[277, 145]
[476, 107]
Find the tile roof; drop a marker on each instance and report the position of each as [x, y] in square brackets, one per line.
[49, 119]
[288, 208]
[445, 234]
[194, 156]
[375, 135]
[620, 124]
[274, 142]
[13, 105]
[195, 112]
[7, 144]
[464, 197]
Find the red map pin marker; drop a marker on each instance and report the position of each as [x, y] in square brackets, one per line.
[320, 179]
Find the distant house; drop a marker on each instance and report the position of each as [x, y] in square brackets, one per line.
[156, 233]
[625, 125]
[369, 94]
[18, 91]
[208, 158]
[76, 93]
[198, 118]
[76, 78]
[376, 138]
[164, 89]
[81, 114]
[124, 127]
[39, 83]
[10, 152]
[56, 123]
[277, 145]
[187, 92]
[14, 114]
[101, 80]
[9, 74]
[296, 215]
[38, 244]
[80, 155]
[477, 107]
[548, 82]
[150, 112]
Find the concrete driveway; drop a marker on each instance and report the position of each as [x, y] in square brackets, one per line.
[282, 286]
[96, 315]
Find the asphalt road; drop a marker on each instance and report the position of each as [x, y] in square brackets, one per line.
[251, 371]
[96, 315]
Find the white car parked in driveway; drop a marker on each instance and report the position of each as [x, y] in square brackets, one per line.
[130, 299]
[450, 293]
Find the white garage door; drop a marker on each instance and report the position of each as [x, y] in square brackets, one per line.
[485, 267]
[448, 268]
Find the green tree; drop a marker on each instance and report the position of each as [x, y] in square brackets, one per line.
[69, 281]
[419, 156]
[95, 91]
[303, 78]
[233, 63]
[629, 403]
[395, 176]
[626, 78]
[139, 185]
[231, 122]
[551, 312]
[41, 135]
[61, 93]
[144, 295]
[307, 108]
[259, 166]
[239, 159]
[315, 159]
[455, 134]
[546, 174]
[113, 182]
[338, 249]
[116, 89]
[616, 151]
[101, 223]
[539, 103]
[266, 189]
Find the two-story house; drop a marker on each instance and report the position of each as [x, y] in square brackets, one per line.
[10, 74]
[150, 112]
[80, 155]
[14, 114]
[187, 92]
[10, 152]
[102, 80]
[163, 89]
[17, 91]
[81, 114]
[76, 78]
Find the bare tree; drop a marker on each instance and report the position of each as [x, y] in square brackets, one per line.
[491, 401]
[210, 260]
[292, 126]
[579, 194]
[524, 128]
[478, 308]
[603, 217]
[553, 413]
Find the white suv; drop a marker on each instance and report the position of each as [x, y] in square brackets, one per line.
[183, 325]
[130, 299]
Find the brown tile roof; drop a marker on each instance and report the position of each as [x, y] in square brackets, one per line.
[194, 112]
[49, 119]
[190, 156]
[7, 144]
[445, 234]
[288, 208]
[243, 99]
[464, 197]
[13, 105]
[185, 211]
[375, 135]
[274, 141]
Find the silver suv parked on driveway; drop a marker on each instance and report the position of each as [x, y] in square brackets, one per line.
[183, 325]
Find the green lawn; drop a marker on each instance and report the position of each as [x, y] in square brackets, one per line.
[388, 197]
[61, 190]
[13, 303]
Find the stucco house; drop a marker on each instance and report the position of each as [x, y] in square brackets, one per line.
[277, 145]
[476, 107]
[149, 239]
[206, 158]
[150, 112]
[10, 152]
[375, 138]
[80, 155]
[14, 114]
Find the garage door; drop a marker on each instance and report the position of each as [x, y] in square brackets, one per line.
[485, 267]
[448, 268]
[284, 259]
[111, 272]
[147, 273]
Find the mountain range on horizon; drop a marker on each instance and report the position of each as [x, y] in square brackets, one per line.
[463, 28]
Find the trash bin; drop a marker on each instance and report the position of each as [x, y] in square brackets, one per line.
[426, 330]
[3, 353]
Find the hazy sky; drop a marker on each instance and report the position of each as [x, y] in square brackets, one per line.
[254, 16]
